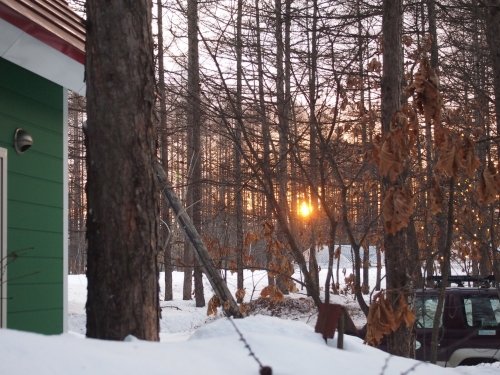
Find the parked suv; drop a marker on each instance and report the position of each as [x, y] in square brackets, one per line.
[469, 331]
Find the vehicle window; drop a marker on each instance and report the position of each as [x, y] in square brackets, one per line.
[482, 311]
[425, 307]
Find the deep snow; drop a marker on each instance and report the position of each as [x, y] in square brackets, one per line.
[192, 343]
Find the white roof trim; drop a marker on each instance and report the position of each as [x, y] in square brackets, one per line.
[22, 49]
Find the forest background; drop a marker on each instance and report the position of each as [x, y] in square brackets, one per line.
[266, 110]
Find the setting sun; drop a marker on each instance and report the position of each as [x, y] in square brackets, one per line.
[305, 209]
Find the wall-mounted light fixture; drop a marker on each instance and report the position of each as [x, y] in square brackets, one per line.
[22, 140]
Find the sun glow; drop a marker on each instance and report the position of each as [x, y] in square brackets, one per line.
[305, 209]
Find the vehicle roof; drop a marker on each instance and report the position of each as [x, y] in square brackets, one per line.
[459, 290]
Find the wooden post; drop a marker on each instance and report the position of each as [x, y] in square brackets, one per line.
[341, 329]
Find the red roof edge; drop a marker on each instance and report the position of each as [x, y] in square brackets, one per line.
[42, 34]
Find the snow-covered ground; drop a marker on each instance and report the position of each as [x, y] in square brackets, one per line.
[192, 343]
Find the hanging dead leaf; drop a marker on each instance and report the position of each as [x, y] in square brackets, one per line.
[240, 294]
[425, 88]
[380, 320]
[407, 40]
[488, 187]
[397, 209]
[374, 65]
[404, 314]
[213, 304]
[392, 156]
[244, 308]
[447, 149]
[466, 157]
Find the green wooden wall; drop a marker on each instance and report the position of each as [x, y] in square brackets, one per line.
[35, 200]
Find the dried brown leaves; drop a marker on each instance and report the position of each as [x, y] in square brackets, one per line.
[454, 154]
[383, 319]
[213, 304]
[393, 153]
[489, 185]
[425, 91]
[273, 293]
[397, 209]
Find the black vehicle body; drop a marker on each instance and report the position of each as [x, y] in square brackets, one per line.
[469, 331]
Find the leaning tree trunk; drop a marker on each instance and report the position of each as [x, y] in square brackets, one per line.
[187, 226]
[122, 189]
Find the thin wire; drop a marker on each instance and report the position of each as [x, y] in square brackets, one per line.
[250, 351]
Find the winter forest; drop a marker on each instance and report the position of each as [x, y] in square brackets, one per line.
[283, 127]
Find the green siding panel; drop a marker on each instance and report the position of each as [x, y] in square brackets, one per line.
[31, 217]
[35, 200]
[42, 321]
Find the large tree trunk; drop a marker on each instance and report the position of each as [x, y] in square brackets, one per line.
[122, 190]
[399, 342]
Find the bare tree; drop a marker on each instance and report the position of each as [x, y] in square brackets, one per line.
[194, 191]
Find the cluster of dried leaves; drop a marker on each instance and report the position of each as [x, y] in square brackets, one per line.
[391, 156]
[214, 303]
[280, 264]
[384, 319]
[489, 185]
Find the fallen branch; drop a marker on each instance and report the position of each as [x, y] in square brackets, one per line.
[219, 286]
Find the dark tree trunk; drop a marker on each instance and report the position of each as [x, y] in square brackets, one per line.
[282, 103]
[194, 152]
[266, 134]
[238, 183]
[399, 342]
[122, 190]
[166, 237]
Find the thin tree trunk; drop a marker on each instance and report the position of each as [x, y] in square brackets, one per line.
[282, 103]
[238, 185]
[266, 134]
[493, 39]
[122, 191]
[167, 249]
[194, 152]
[445, 272]
[313, 129]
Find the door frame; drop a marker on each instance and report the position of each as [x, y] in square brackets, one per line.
[3, 237]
